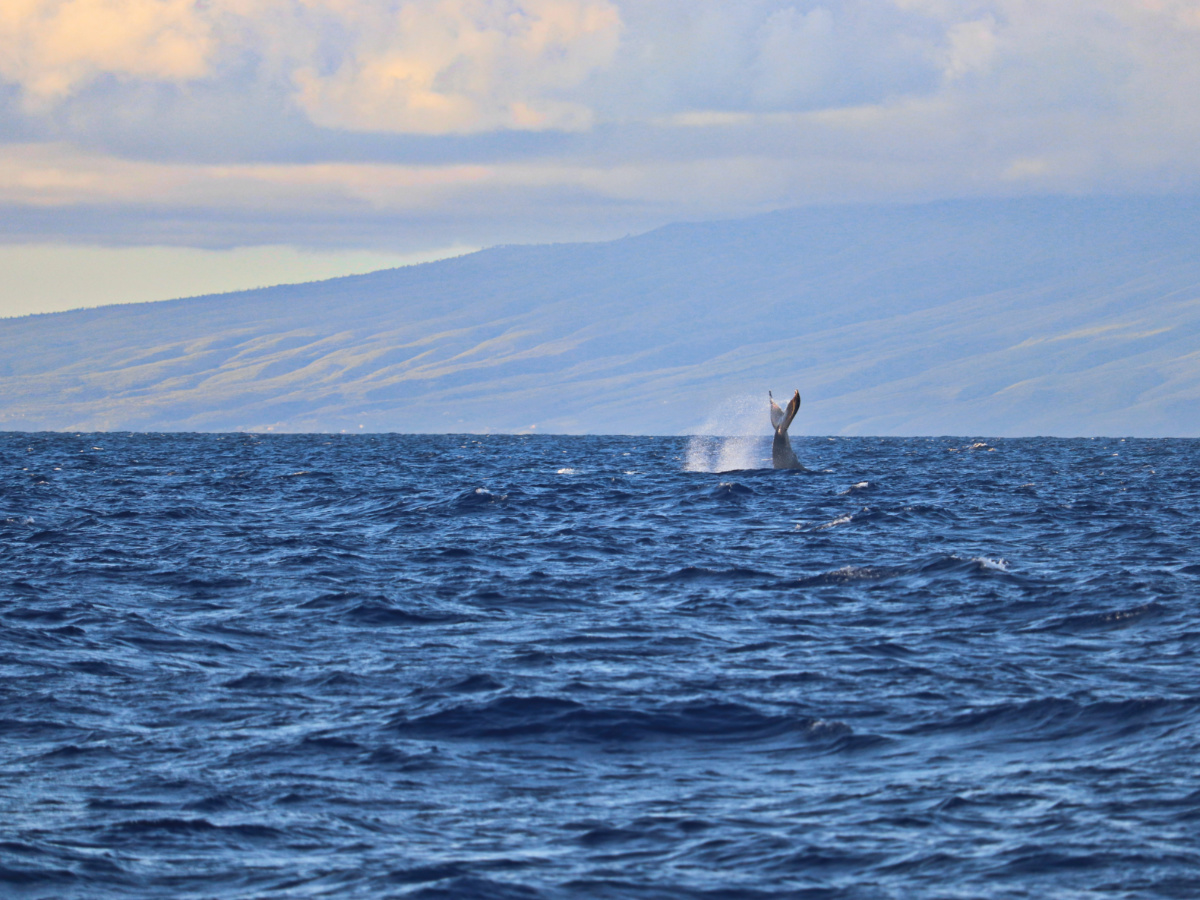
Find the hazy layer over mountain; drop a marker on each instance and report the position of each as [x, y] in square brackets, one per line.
[1064, 317]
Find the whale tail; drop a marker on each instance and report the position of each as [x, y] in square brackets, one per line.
[776, 412]
[781, 419]
[782, 456]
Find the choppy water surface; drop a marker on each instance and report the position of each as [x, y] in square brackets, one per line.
[357, 666]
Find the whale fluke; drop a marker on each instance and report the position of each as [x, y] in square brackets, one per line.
[782, 456]
[776, 412]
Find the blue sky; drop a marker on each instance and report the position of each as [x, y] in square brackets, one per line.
[171, 147]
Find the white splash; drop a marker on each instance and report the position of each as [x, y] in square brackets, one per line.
[999, 565]
[735, 436]
[840, 520]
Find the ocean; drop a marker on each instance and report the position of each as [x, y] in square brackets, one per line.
[371, 666]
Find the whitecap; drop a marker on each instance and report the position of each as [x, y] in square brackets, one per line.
[840, 520]
[1000, 565]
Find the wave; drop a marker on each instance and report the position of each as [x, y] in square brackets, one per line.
[927, 571]
[704, 573]
[177, 827]
[1064, 719]
[519, 717]
[1104, 620]
[336, 657]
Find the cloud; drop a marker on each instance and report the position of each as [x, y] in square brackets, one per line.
[432, 67]
[461, 66]
[418, 67]
[57, 175]
[681, 56]
[795, 58]
[51, 47]
[971, 47]
[499, 120]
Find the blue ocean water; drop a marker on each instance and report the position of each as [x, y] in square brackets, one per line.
[550, 667]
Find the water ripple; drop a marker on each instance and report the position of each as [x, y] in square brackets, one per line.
[547, 667]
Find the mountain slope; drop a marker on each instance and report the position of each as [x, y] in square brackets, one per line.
[1043, 316]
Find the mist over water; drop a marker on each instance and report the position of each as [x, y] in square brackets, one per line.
[736, 435]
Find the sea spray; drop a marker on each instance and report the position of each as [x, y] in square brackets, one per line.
[734, 436]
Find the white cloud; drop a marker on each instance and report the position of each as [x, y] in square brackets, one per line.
[972, 47]
[681, 56]
[795, 57]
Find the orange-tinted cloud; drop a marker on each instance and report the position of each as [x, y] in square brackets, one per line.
[423, 67]
[51, 47]
[460, 66]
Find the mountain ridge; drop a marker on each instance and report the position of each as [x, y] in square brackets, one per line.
[1041, 316]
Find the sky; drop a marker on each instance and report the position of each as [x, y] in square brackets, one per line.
[161, 148]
